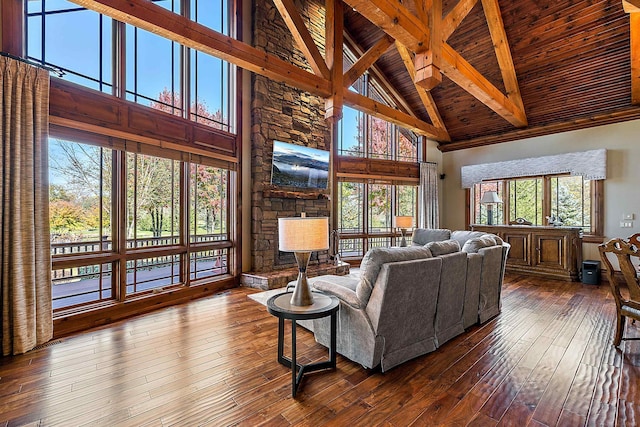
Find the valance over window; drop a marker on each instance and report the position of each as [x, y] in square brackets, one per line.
[589, 164]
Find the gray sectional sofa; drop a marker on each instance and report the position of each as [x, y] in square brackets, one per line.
[409, 301]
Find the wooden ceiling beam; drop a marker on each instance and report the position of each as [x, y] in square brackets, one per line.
[380, 78]
[455, 17]
[367, 60]
[467, 77]
[503, 54]
[381, 111]
[632, 7]
[394, 19]
[158, 20]
[302, 36]
[428, 63]
[425, 95]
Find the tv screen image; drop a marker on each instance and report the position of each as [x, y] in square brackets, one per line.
[299, 166]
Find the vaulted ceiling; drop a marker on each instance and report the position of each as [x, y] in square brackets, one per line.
[466, 72]
[572, 60]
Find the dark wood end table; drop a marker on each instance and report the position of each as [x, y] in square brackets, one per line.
[323, 305]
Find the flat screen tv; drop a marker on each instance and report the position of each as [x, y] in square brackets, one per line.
[299, 166]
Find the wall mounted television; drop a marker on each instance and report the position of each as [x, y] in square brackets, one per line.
[299, 166]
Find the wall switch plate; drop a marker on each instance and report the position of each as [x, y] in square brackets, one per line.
[627, 216]
[626, 224]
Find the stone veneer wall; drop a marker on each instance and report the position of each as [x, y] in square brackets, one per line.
[280, 112]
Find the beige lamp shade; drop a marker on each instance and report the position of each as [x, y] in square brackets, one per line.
[490, 197]
[303, 234]
[403, 221]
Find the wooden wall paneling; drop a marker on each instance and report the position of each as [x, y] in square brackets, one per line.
[78, 107]
[12, 27]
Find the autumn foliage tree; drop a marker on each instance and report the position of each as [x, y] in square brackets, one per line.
[209, 183]
[152, 184]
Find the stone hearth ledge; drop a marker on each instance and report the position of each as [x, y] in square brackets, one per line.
[279, 278]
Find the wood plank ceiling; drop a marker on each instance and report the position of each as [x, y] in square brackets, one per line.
[467, 72]
[572, 60]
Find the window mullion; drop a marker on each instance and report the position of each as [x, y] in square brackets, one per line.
[185, 238]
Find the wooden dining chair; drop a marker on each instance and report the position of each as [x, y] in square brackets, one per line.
[635, 240]
[627, 300]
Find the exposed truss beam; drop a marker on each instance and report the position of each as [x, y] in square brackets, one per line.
[156, 19]
[380, 77]
[394, 19]
[501, 46]
[302, 36]
[376, 109]
[366, 60]
[455, 17]
[632, 7]
[429, 62]
[468, 78]
[424, 94]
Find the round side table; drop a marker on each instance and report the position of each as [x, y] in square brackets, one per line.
[323, 306]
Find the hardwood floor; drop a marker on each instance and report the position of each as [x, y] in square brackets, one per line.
[547, 359]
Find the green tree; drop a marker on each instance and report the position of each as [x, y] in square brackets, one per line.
[351, 205]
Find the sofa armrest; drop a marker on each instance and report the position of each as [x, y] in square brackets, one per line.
[343, 293]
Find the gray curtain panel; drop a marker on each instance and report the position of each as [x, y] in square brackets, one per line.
[428, 216]
[25, 255]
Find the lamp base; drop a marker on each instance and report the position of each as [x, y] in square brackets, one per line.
[302, 293]
[403, 241]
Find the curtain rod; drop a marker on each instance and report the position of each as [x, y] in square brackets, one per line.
[55, 70]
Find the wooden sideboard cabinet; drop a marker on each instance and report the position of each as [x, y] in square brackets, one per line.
[553, 252]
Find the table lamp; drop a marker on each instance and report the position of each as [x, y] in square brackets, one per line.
[302, 235]
[490, 198]
[403, 222]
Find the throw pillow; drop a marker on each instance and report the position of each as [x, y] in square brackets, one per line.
[472, 246]
[444, 247]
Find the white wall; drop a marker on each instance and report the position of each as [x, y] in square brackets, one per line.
[621, 189]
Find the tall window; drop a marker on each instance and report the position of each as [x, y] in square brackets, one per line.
[544, 200]
[363, 135]
[160, 246]
[155, 69]
[366, 211]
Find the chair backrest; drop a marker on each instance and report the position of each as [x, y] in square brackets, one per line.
[623, 251]
[635, 240]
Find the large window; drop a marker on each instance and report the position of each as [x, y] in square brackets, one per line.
[156, 72]
[551, 199]
[366, 211]
[363, 135]
[172, 214]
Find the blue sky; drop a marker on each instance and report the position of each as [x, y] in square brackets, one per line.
[73, 40]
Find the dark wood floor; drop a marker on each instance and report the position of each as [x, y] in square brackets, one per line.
[547, 359]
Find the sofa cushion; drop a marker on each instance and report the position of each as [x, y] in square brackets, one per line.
[472, 246]
[444, 247]
[422, 236]
[375, 258]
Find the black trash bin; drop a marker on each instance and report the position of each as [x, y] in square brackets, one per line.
[591, 272]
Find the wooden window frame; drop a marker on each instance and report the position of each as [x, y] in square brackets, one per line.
[596, 233]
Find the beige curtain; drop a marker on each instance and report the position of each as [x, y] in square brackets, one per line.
[428, 215]
[25, 269]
